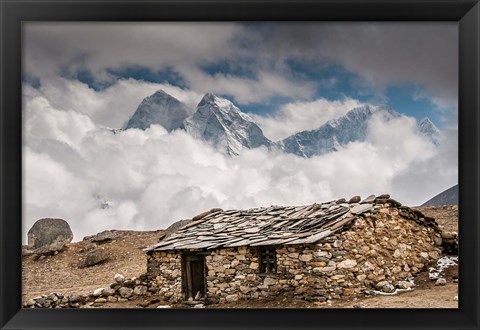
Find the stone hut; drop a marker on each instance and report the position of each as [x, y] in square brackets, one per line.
[315, 252]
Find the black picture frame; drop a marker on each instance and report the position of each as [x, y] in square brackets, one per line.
[14, 12]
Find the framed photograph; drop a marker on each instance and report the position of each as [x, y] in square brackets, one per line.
[240, 164]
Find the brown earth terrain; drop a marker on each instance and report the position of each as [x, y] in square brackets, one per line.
[446, 216]
[61, 273]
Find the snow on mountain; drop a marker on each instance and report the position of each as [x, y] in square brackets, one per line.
[335, 133]
[352, 127]
[162, 109]
[219, 122]
[429, 130]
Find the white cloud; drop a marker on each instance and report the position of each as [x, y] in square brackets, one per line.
[245, 90]
[110, 107]
[428, 176]
[53, 47]
[382, 54]
[152, 178]
[302, 116]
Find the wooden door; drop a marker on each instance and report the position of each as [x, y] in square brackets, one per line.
[193, 276]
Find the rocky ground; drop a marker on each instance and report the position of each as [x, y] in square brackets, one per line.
[63, 272]
[446, 216]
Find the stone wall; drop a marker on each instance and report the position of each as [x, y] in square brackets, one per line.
[381, 251]
[165, 269]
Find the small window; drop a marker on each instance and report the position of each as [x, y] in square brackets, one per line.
[267, 260]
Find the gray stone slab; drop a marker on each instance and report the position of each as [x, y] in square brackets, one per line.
[369, 199]
[361, 208]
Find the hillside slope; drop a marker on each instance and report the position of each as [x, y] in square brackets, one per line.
[447, 197]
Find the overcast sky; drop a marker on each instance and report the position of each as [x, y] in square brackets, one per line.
[80, 78]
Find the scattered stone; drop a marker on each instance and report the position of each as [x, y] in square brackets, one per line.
[164, 306]
[89, 247]
[388, 288]
[49, 235]
[394, 203]
[130, 283]
[100, 300]
[370, 199]
[125, 292]
[199, 306]
[354, 199]
[380, 285]
[98, 292]
[94, 258]
[358, 209]
[103, 237]
[140, 290]
[108, 292]
[143, 304]
[404, 285]
[455, 298]
[340, 201]
[441, 281]
[358, 305]
[119, 278]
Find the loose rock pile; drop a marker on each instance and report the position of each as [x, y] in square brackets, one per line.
[450, 242]
[121, 290]
[56, 300]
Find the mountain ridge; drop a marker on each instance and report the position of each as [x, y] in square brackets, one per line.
[446, 197]
[220, 123]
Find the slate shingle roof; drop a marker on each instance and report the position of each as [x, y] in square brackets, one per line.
[262, 226]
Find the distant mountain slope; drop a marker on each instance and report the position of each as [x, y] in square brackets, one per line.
[351, 127]
[448, 197]
[336, 132]
[161, 109]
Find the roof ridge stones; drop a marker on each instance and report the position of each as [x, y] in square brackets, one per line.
[278, 225]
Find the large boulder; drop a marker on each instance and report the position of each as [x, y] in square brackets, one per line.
[94, 257]
[103, 237]
[49, 235]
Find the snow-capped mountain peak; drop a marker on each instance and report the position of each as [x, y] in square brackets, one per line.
[219, 122]
[162, 109]
[429, 130]
[353, 126]
[223, 105]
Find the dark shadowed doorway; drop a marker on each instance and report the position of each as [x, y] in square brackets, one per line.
[193, 276]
